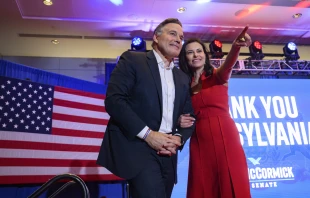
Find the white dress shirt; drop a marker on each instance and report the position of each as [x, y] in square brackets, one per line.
[168, 93]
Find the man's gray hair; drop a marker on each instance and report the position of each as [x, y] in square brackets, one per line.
[158, 29]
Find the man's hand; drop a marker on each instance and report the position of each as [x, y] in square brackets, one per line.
[186, 120]
[171, 147]
[161, 141]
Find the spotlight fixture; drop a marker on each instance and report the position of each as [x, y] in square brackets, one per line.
[48, 2]
[181, 9]
[55, 41]
[256, 51]
[138, 44]
[202, 1]
[290, 52]
[216, 49]
[297, 15]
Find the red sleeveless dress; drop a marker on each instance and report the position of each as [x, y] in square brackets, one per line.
[217, 165]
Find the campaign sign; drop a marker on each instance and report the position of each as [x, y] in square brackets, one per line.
[273, 120]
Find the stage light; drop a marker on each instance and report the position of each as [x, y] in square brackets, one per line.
[117, 2]
[216, 49]
[48, 2]
[138, 44]
[290, 52]
[256, 51]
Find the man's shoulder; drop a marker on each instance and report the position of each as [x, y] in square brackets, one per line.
[135, 54]
[183, 75]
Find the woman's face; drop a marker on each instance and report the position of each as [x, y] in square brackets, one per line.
[195, 55]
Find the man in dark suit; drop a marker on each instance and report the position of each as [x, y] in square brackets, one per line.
[145, 97]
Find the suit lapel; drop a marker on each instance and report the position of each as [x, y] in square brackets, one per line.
[178, 90]
[152, 62]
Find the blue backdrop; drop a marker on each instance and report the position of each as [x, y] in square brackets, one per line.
[273, 118]
[23, 72]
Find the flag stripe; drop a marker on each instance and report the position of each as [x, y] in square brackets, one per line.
[79, 99]
[35, 170]
[44, 178]
[81, 93]
[80, 119]
[93, 128]
[78, 105]
[46, 146]
[74, 133]
[33, 137]
[80, 112]
[46, 162]
[37, 154]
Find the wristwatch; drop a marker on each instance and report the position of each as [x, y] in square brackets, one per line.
[182, 140]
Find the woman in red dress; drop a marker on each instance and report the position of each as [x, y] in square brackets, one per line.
[217, 165]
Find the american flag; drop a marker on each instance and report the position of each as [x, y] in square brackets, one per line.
[48, 130]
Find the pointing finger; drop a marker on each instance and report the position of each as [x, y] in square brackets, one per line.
[242, 34]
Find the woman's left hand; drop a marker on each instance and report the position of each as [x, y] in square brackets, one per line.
[243, 40]
[186, 120]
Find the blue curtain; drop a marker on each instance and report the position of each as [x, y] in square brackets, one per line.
[18, 71]
[108, 70]
[97, 190]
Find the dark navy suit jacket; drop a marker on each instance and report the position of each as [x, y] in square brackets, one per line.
[133, 101]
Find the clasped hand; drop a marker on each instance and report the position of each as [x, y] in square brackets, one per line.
[164, 144]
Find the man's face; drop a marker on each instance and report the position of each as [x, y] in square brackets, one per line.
[169, 42]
